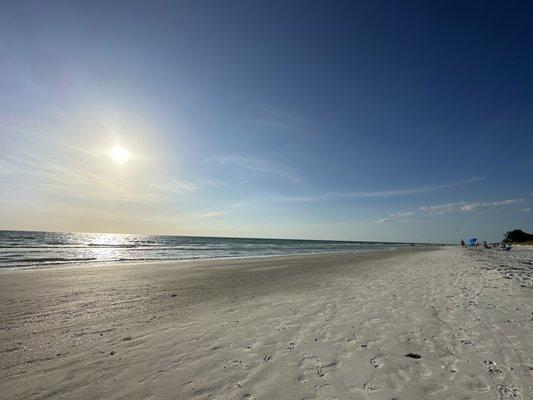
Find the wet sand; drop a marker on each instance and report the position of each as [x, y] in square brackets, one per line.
[440, 323]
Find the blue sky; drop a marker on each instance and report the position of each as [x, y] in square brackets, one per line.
[327, 120]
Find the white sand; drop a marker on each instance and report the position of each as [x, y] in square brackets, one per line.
[311, 327]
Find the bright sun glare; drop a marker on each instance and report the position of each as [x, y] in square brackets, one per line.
[119, 154]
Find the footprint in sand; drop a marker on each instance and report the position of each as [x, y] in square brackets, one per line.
[377, 361]
[308, 365]
[434, 388]
[356, 393]
[395, 375]
[311, 366]
[324, 391]
[475, 383]
[391, 381]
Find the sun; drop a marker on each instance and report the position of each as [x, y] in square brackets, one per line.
[119, 154]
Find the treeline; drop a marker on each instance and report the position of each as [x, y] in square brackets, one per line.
[517, 236]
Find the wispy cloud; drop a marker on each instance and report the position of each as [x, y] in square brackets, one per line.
[208, 214]
[260, 165]
[238, 205]
[441, 209]
[399, 216]
[407, 191]
[217, 213]
[282, 120]
[463, 206]
[292, 199]
[376, 193]
[89, 178]
[164, 184]
[524, 210]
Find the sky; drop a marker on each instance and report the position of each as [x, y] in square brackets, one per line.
[370, 120]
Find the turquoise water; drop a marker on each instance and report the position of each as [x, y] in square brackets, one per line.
[34, 249]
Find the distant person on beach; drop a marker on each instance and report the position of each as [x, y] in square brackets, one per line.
[463, 244]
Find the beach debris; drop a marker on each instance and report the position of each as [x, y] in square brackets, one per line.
[290, 347]
[491, 367]
[126, 339]
[508, 392]
[112, 352]
[376, 362]
[413, 355]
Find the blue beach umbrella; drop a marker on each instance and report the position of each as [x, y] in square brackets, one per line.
[472, 242]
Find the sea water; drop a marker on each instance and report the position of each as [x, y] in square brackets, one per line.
[38, 249]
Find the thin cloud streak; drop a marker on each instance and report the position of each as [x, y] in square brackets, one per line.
[400, 216]
[259, 165]
[238, 205]
[457, 206]
[281, 120]
[77, 182]
[292, 199]
[208, 214]
[462, 206]
[379, 193]
[403, 192]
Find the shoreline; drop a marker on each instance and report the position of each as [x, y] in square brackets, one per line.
[88, 264]
[334, 325]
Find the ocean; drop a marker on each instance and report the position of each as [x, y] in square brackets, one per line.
[25, 249]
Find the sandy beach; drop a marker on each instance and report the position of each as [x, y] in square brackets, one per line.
[436, 323]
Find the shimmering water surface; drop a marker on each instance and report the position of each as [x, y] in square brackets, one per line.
[33, 249]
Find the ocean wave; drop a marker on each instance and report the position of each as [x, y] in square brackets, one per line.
[50, 260]
[122, 245]
[47, 248]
